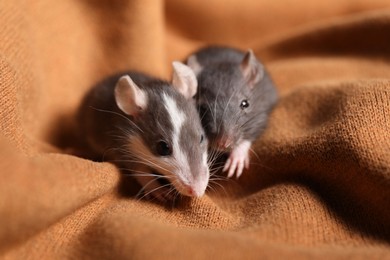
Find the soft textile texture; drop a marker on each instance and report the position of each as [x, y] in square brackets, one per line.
[319, 184]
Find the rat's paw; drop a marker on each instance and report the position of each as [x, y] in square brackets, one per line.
[238, 159]
[236, 163]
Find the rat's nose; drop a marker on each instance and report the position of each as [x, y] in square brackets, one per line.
[191, 191]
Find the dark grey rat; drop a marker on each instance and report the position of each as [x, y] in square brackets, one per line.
[151, 128]
[235, 97]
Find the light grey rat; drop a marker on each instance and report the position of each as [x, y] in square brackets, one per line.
[151, 128]
[235, 97]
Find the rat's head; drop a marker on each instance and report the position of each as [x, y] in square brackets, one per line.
[226, 99]
[168, 137]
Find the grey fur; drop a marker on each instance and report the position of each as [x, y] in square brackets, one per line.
[222, 87]
[108, 130]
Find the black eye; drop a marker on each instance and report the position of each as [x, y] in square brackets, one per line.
[244, 104]
[201, 138]
[163, 148]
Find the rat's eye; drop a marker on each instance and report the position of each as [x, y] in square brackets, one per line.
[244, 104]
[163, 148]
[201, 138]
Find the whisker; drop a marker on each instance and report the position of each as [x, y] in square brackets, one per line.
[263, 166]
[227, 105]
[154, 190]
[216, 183]
[143, 189]
[148, 161]
[143, 162]
[118, 114]
[253, 151]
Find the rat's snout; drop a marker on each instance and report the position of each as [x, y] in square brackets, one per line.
[198, 185]
[224, 142]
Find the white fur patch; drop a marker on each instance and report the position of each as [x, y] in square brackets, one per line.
[177, 118]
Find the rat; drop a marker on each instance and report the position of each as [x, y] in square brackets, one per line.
[235, 97]
[151, 128]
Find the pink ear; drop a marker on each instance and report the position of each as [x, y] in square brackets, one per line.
[129, 97]
[193, 63]
[252, 69]
[184, 80]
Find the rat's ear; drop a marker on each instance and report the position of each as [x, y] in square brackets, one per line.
[184, 80]
[193, 63]
[129, 97]
[252, 69]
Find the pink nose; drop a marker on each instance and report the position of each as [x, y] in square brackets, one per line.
[191, 191]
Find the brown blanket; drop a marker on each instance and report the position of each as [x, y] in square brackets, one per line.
[320, 182]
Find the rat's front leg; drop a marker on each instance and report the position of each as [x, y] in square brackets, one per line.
[238, 159]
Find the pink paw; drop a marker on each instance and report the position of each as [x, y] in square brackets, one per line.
[238, 159]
